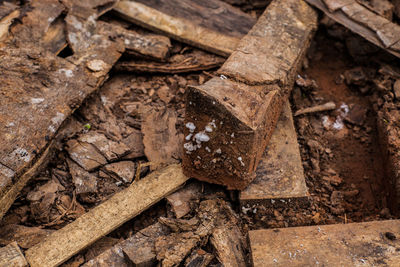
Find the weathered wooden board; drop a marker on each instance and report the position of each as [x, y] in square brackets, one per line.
[195, 60]
[356, 244]
[280, 177]
[359, 19]
[211, 25]
[106, 217]
[230, 119]
[39, 91]
[11, 255]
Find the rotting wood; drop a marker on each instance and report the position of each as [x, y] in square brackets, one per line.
[195, 60]
[8, 12]
[280, 177]
[25, 236]
[137, 250]
[355, 244]
[40, 91]
[211, 25]
[106, 217]
[230, 119]
[229, 242]
[11, 255]
[360, 20]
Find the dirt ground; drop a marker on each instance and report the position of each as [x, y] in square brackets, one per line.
[341, 150]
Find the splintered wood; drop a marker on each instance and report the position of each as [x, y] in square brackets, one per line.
[211, 25]
[359, 19]
[64, 243]
[229, 120]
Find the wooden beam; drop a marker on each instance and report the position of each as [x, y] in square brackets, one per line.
[230, 119]
[106, 217]
[208, 24]
[355, 244]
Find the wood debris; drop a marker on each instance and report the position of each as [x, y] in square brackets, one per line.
[211, 25]
[28, 135]
[106, 217]
[323, 107]
[137, 250]
[361, 20]
[230, 119]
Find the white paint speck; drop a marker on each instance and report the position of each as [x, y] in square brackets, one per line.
[51, 129]
[241, 161]
[22, 154]
[104, 100]
[127, 42]
[190, 126]
[187, 138]
[218, 151]
[202, 137]
[223, 77]
[67, 73]
[37, 100]
[189, 147]
[338, 124]
[208, 129]
[58, 118]
[207, 149]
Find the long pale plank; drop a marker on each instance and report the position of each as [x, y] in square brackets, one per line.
[208, 24]
[106, 217]
[229, 120]
[356, 244]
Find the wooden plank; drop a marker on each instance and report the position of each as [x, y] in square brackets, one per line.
[230, 119]
[360, 20]
[356, 244]
[39, 91]
[106, 217]
[11, 255]
[211, 25]
[280, 177]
